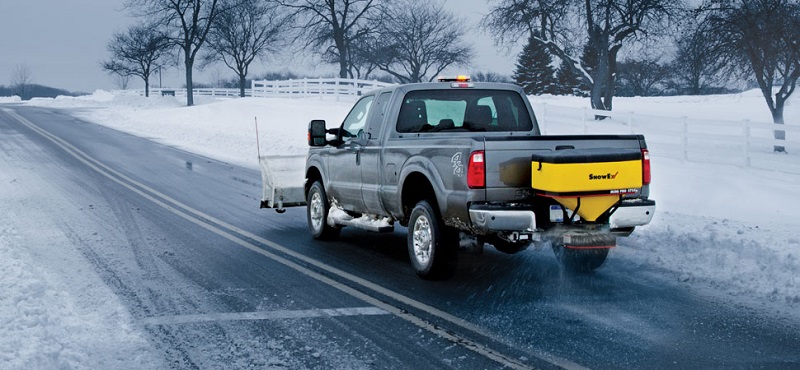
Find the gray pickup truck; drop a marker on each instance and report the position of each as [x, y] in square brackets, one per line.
[463, 164]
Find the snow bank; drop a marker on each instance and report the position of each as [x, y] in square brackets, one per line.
[723, 229]
[10, 99]
[55, 311]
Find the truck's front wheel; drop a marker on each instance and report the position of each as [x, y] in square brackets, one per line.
[580, 260]
[317, 212]
[432, 245]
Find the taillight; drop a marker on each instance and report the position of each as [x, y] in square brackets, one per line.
[476, 171]
[645, 167]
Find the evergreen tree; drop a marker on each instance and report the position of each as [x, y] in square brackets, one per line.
[534, 71]
[569, 82]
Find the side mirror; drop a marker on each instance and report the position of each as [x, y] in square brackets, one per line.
[316, 133]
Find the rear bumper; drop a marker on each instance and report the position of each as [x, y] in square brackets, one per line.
[633, 213]
[487, 219]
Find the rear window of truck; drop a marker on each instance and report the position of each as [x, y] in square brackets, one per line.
[463, 110]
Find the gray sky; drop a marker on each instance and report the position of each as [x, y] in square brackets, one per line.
[62, 42]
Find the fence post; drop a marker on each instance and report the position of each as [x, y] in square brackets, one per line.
[543, 123]
[630, 121]
[583, 118]
[685, 139]
[747, 143]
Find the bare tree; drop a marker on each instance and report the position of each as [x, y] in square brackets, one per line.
[136, 53]
[188, 23]
[763, 38]
[335, 26]
[21, 77]
[122, 81]
[606, 25]
[643, 77]
[362, 61]
[418, 40]
[246, 31]
[694, 65]
[489, 76]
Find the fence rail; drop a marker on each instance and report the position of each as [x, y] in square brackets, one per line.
[211, 91]
[320, 87]
[300, 88]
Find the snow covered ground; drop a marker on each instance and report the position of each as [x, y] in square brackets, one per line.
[721, 230]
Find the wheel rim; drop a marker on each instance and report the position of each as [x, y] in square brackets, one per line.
[316, 211]
[423, 243]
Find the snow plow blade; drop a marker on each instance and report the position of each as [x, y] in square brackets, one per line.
[283, 179]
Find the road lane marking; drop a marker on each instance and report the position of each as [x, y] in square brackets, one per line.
[263, 315]
[217, 226]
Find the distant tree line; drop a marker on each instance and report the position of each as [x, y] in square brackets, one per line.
[595, 48]
[22, 85]
[33, 90]
[404, 41]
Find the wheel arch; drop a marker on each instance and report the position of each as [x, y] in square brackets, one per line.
[416, 187]
[313, 174]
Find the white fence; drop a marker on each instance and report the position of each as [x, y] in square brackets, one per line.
[320, 87]
[741, 143]
[231, 93]
[302, 88]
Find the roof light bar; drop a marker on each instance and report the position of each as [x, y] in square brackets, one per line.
[459, 78]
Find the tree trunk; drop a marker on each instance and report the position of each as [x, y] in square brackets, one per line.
[777, 118]
[343, 64]
[599, 88]
[600, 72]
[189, 84]
[611, 76]
[146, 87]
[242, 81]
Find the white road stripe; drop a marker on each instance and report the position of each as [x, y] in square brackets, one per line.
[263, 315]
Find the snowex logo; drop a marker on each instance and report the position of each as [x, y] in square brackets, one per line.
[606, 176]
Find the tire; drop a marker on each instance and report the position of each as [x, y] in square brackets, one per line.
[317, 214]
[580, 260]
[432, 246]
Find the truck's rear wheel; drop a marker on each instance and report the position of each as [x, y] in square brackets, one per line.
[432, 245]
[580, 260]
[317, 214]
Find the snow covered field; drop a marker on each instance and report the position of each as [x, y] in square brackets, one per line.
[719, 230]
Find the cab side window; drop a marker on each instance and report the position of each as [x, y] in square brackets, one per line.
[357, 118]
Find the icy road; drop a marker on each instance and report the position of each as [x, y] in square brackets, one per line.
[165, 261]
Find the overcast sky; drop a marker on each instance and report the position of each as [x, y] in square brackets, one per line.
[61, 43]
